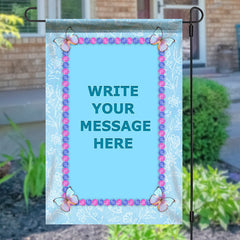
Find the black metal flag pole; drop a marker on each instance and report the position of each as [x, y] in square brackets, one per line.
[190, 22]
[191, 214]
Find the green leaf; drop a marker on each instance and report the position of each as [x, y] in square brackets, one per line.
[223, 222]
[221, 210]
[198, 203]
[186, 220]
[7, 177]
[26, 189]
[210, 186]
[8, 26]
[204, 223]
[9, 158]
[204, 212]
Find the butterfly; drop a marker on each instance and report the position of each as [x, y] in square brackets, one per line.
[65, 203]
[70, 38]
[163, 203]
[163, 43]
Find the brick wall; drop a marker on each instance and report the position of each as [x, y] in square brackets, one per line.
[116, 9]
[23, 66]
[221, 18]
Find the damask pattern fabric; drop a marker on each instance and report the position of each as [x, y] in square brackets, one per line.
[114, 121]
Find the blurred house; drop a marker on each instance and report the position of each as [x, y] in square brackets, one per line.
[22, 69]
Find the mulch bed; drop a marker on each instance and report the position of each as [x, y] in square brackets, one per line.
[17, 223]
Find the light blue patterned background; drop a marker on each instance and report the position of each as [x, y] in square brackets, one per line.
[173, 116]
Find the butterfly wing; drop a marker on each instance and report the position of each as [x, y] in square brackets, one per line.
[158, 192]
[72, 199]
[165, 43]
[62, 43]
[69, 32]
[65, 46]
[155, 198]
[62, 203]
[59, 201]
[71, 36]
[169, 41]
[59, 41]
[154, 39]
[158, 32]
[73, 39]
[162, 207]
[69, 192]
[158, 199]
[157, 36]
[162, 46]
[65, 206]
[165, 204]
[169, 201]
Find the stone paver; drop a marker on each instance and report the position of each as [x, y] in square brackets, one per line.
[230, 81]
[27, 109]
[230, 152]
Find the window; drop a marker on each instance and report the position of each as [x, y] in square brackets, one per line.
[143, 8]
[182, 2]
[184, 14]
[52, 9]
[178, 9]
[18, 8]
[71, 9]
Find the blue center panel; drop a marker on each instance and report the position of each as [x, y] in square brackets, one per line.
[113, 173]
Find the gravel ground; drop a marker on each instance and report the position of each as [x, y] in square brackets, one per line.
[17, 223]
[94, 232]
[217, 233]
[78, 232]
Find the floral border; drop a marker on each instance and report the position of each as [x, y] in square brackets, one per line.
[65, 122]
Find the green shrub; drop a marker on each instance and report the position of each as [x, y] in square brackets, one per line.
[215, 200]
[8, 26]
[145, 232]
[209, 119]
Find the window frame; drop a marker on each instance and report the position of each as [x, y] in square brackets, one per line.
[40, 27]
[46, 5]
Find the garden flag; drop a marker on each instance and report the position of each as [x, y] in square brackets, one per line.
[114, 121]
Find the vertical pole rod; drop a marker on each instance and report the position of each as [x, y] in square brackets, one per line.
[191, 216]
